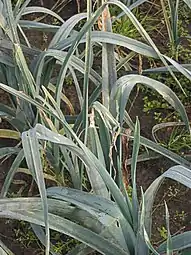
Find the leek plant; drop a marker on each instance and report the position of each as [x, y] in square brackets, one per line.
[171, 17]
[90, 143]
[109, 223]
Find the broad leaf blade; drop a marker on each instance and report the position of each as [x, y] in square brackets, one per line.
[32, 155]
[69, 228]
[179, 242]
[127, 83]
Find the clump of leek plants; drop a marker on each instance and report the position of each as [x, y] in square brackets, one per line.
[106, 219]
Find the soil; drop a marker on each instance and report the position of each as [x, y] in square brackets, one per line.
[178, 197]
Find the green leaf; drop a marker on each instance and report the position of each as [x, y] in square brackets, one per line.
[167, 153]
[127, 83]
[32, 155]
[77, 86]
[9, 177]
[95, 146]
[36, 9]
[4, 250]
[25, 97]
[72, 168]
[8, 151]
[135, 202]
[145, 36]
[180, 68]
[158, 148]
[12, 34]
[112, 38]
[65, 30]
[188, 2]
[104, 135]
[46, 176]
[186, 252]
[8, 45]
[169, 248]
[75, 62]
[150, 246]
[19, 7]
[163, 69]
[160, 126]
[90, 161]
[179, 242]
[85, 200]
[67, 227]
[9, 134]
[105, 210]
[131, 7]
[28, 24]
[179, 173]
[109, 73]
[88, 58]
[6, 59]
[72, 49]
[94, 143]
[32, 204]
[29, 83]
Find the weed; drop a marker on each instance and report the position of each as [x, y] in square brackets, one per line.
[179, 141]
[162, 111]
[25, 235]
[180, 215]
[62, 247]
[163, 232]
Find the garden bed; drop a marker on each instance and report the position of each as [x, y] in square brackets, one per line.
[18, 235]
